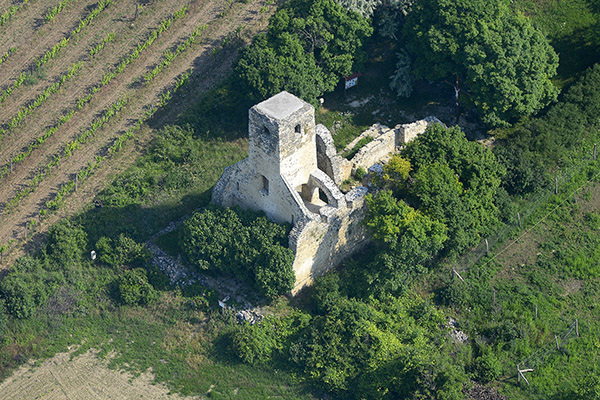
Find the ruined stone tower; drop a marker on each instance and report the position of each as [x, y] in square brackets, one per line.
[293, 173]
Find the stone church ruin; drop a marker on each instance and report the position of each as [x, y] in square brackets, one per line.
[294, 174]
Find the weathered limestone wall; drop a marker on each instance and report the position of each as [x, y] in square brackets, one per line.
[328, 160]
[408, 132]
[323, 244]
[379, 150]
[241, 186]
[387, 141]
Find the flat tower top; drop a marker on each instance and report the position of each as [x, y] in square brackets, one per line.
[280, 106]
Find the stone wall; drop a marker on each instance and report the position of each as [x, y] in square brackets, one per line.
[320, 245]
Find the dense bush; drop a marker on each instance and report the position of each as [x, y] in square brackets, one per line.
[374, 349]
[486, 367]
[67, 242]
[3, 320]
[536, 145]
[241, 244]
[121, 251]
[134, 288]
[28, 286]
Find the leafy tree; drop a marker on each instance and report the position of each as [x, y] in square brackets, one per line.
[308, 47]
[363, 7]
[505, 63]
[396, 172]
[134, 288]
[409, 234]
[455, 181]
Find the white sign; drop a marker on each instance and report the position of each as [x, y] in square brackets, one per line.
[352, 82]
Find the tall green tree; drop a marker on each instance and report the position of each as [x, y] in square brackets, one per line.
[455, 182]
[501, 59]
[309, 46]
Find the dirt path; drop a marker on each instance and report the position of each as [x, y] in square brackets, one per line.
[208, 68]
[85, 377]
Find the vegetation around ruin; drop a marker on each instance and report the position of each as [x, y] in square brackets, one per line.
[484, 258]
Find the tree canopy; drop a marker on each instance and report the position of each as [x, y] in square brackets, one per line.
[505, 63]
[308, 47]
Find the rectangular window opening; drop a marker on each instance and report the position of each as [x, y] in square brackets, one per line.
[265, 184]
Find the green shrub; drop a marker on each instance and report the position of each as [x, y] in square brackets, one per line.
[487, 367]
[360, 173]
[241, 244]
[28, 286]
[255, 344]
[272, 273]
[121, 251]
[134, 288]
[3, 320]
[67, 242]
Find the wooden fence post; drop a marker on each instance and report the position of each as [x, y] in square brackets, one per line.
[519, 218]
[487, 248]
[556, 185]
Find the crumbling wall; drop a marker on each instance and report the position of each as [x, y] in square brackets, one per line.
[323, 244]
[328, 160]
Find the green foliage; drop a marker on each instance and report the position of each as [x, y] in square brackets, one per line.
[272, 272]
[240, 244]
[487, 367]
[134, 288]
[121, 251]
[309, 46]
[536, 145]
[366, 349]
[67, 242]
[455, 182]
[28, 286]
[360, 173]
[3, 321]
[503, 60]
[402, 82]
[412, 236]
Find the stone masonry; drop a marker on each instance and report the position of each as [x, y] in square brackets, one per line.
[293, 174]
